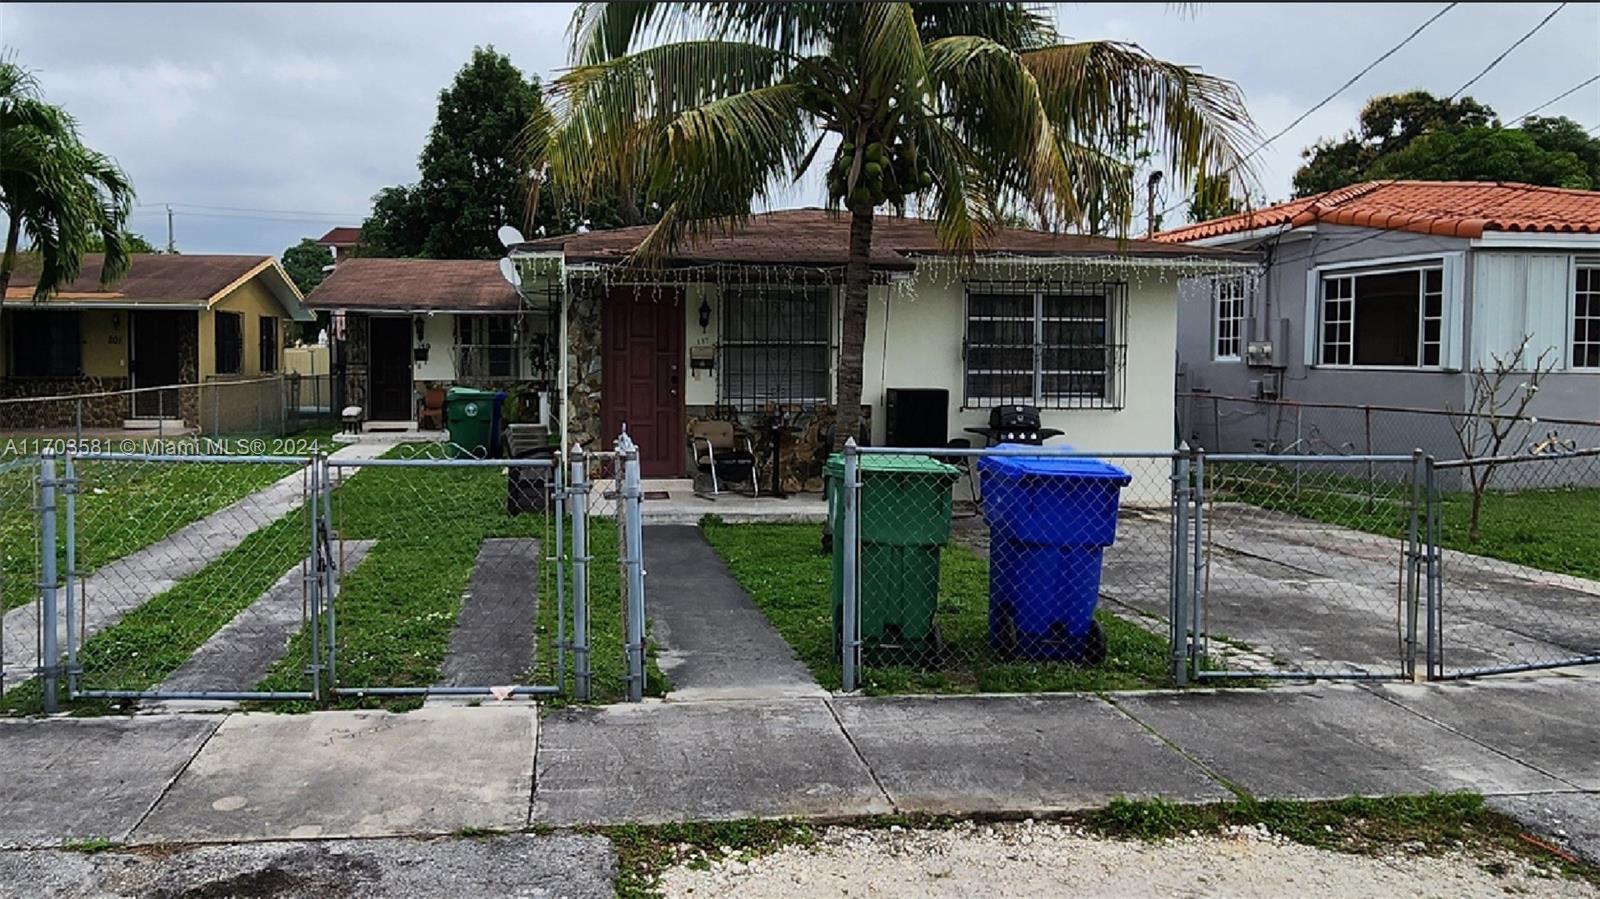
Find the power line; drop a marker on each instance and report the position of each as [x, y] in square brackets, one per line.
[342, 215]
[1329, 98]
[1561, 96]
[1507, 52]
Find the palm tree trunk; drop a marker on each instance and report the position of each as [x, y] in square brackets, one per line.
[853, 340]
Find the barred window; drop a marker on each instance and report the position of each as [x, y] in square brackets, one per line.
[773, 345]
[1053, 346]
[1229, 301]
[486, 347]
[1586, 318]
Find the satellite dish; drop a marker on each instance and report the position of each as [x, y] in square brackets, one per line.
[508, 271]
[509, 235]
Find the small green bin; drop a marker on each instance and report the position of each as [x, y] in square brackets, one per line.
[472, 416]
[905, 523]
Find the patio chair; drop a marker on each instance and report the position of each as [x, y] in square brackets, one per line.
[725, 453]
[432, 410]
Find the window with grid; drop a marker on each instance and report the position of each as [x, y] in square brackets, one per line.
[1230, 294]
[486, 346]
[269, 344]
[1055, 347]
[773, 345]
[1383, 319]
[228, 342]
[1586, 317]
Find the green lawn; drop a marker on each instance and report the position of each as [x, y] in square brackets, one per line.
[791, 580]
[396, 609]
[1548, 529]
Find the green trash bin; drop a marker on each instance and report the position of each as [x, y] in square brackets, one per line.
[471, 416]
[905, 523]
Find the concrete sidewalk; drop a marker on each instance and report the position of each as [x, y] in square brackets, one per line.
[1529, 742]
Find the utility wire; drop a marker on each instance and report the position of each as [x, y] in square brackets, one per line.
[1561, 96]
[1329, 98]
[1507, 52]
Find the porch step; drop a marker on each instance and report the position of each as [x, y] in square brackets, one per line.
[165, 425]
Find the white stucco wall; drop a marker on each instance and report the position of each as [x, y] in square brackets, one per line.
[440, 336]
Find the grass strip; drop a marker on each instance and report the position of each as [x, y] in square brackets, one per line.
[783, 569]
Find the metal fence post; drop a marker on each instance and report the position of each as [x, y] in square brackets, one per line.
[69, 486]
[849, 544]
[313, 580]
[1436, 640]
[329, 564]
[49, 650]
[633, 536]
[580, 574]
[1179, 613]
[1197, 586]
[1408, 661]
[558, 487]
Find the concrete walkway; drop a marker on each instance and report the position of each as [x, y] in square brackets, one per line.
[1529, 743]
[714, 642]
[118, 587]
[492, 642]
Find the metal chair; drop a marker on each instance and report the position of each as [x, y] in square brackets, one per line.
[725, 453]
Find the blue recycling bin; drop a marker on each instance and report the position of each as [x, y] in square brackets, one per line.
[1050, 520]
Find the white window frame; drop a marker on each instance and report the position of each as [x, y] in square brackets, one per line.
[1229, 317]
[1591, 317]
[1344, 304]
[1112, 319]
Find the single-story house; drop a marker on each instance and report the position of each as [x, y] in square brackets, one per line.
[171, 320]
[403, 326]
[1393, 293]
[743, 324]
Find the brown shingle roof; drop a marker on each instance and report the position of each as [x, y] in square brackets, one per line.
[818, 237]
[340, 237]
[1452, 208]
[445, 284]
[151, 278]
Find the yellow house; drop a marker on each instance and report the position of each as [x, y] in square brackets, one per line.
[137, 350]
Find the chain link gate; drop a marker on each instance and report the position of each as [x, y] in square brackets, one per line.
[1305, 566]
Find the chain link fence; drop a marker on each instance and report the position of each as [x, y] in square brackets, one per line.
[20, 548]
[274, 405]
[1517, 564]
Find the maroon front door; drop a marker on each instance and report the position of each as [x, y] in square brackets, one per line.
[642, 377]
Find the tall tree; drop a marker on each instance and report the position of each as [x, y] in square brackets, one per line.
[961, 110]
[304, 263]
[474, 174]
[66, 196]
[1419, 136]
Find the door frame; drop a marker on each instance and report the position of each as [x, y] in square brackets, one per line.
[132, 338]
[373, 366]
[674, 466]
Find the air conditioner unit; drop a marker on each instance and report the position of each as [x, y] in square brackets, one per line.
[1258, 352]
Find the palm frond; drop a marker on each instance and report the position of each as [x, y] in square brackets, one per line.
[1012, 24]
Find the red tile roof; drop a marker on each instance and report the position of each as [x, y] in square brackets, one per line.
[473, 285]
[340, 237]
[151, 278]
[1453, 208]
[819, 237]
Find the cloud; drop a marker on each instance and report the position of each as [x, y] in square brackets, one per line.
[316, 107]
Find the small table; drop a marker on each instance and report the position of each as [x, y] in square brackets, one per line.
[775, 429]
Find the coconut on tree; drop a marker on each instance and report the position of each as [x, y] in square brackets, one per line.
[965, 113]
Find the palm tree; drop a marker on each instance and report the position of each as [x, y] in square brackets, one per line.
[68, 197]
[959, 111]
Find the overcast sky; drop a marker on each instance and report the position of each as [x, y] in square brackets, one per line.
[306, 110]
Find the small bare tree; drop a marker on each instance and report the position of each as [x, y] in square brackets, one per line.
[1495, 409]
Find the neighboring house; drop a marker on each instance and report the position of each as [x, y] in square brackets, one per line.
[170, 320]
[741, 324]
[1392, 293]
[403, 326]
[341, 242]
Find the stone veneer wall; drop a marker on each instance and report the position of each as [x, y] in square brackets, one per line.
[353, 353]
[585, 352]
[805, 448]
[98, 412]
[189, 371]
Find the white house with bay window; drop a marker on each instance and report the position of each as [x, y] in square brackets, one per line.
[1391, 294]
[747, 326]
